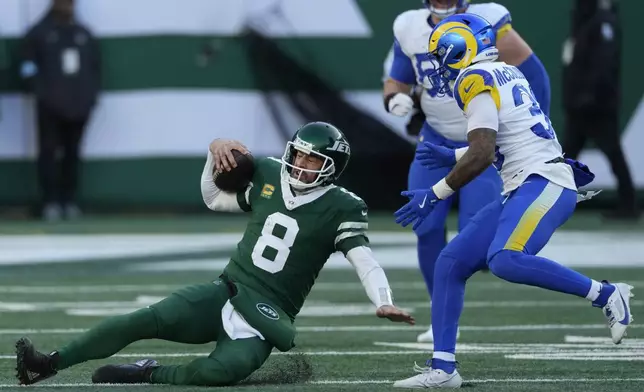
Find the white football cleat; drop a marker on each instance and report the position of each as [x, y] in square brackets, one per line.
[618, 311]
[431, 378]
[428, 336]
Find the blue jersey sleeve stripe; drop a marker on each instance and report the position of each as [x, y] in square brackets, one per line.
[457, 96]
[402, 69]
[507, 18]
[488, 79]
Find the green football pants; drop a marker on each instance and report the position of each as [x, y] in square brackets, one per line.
[191, 315]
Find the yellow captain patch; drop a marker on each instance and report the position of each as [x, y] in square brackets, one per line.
[267, 191]
[473, 83]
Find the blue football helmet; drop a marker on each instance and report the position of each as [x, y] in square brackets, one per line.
[453, 6]
[459, 41]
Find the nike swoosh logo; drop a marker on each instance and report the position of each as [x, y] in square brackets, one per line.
[468, 88]
[422, 205]
[364, 213]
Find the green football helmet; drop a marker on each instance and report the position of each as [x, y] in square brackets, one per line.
[321, 140]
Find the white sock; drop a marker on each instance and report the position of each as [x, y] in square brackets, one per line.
[594, 291]
[447, 357]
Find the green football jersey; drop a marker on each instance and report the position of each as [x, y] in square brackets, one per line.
[289, 238]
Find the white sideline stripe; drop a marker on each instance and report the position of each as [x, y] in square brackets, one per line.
[363, 382]
[597, 340]
[587, 358]
[85, 289]
[54, 331]
[361, 328]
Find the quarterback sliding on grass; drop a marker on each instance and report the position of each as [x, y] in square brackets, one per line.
[298, 218]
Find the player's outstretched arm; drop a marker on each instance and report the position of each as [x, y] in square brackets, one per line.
[220, 156]
[375, 282]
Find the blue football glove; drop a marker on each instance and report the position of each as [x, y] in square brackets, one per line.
[433, 156]
[421, 203]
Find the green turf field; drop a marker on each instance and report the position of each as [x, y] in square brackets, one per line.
[513, 338]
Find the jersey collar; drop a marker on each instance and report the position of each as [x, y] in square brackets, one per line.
[292, 201]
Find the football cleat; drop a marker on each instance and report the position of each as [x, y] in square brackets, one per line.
[431, 378]
[33, 366]
[139, 372]
[428, 336]
[618, 311]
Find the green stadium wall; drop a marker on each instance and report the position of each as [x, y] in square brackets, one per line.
[162, 103]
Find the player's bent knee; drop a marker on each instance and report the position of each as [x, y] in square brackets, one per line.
[501, 264]
[451, 267]
[443, 269]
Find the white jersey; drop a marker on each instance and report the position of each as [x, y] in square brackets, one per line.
[411, 30]
[526, 140]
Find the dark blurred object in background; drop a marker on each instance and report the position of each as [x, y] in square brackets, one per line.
[591, 89]
[61, 67]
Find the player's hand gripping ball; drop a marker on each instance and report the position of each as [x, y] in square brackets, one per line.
[234, 165]
[237, 178]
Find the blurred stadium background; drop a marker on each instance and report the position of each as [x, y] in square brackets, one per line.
[178, 74]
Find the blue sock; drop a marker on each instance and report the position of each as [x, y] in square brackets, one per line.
[446, 366]
[606, 291]
[522, 268]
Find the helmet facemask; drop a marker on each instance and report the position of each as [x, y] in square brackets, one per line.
[447, 75]
[294, 174]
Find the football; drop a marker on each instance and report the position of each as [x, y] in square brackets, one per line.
[238, 178]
